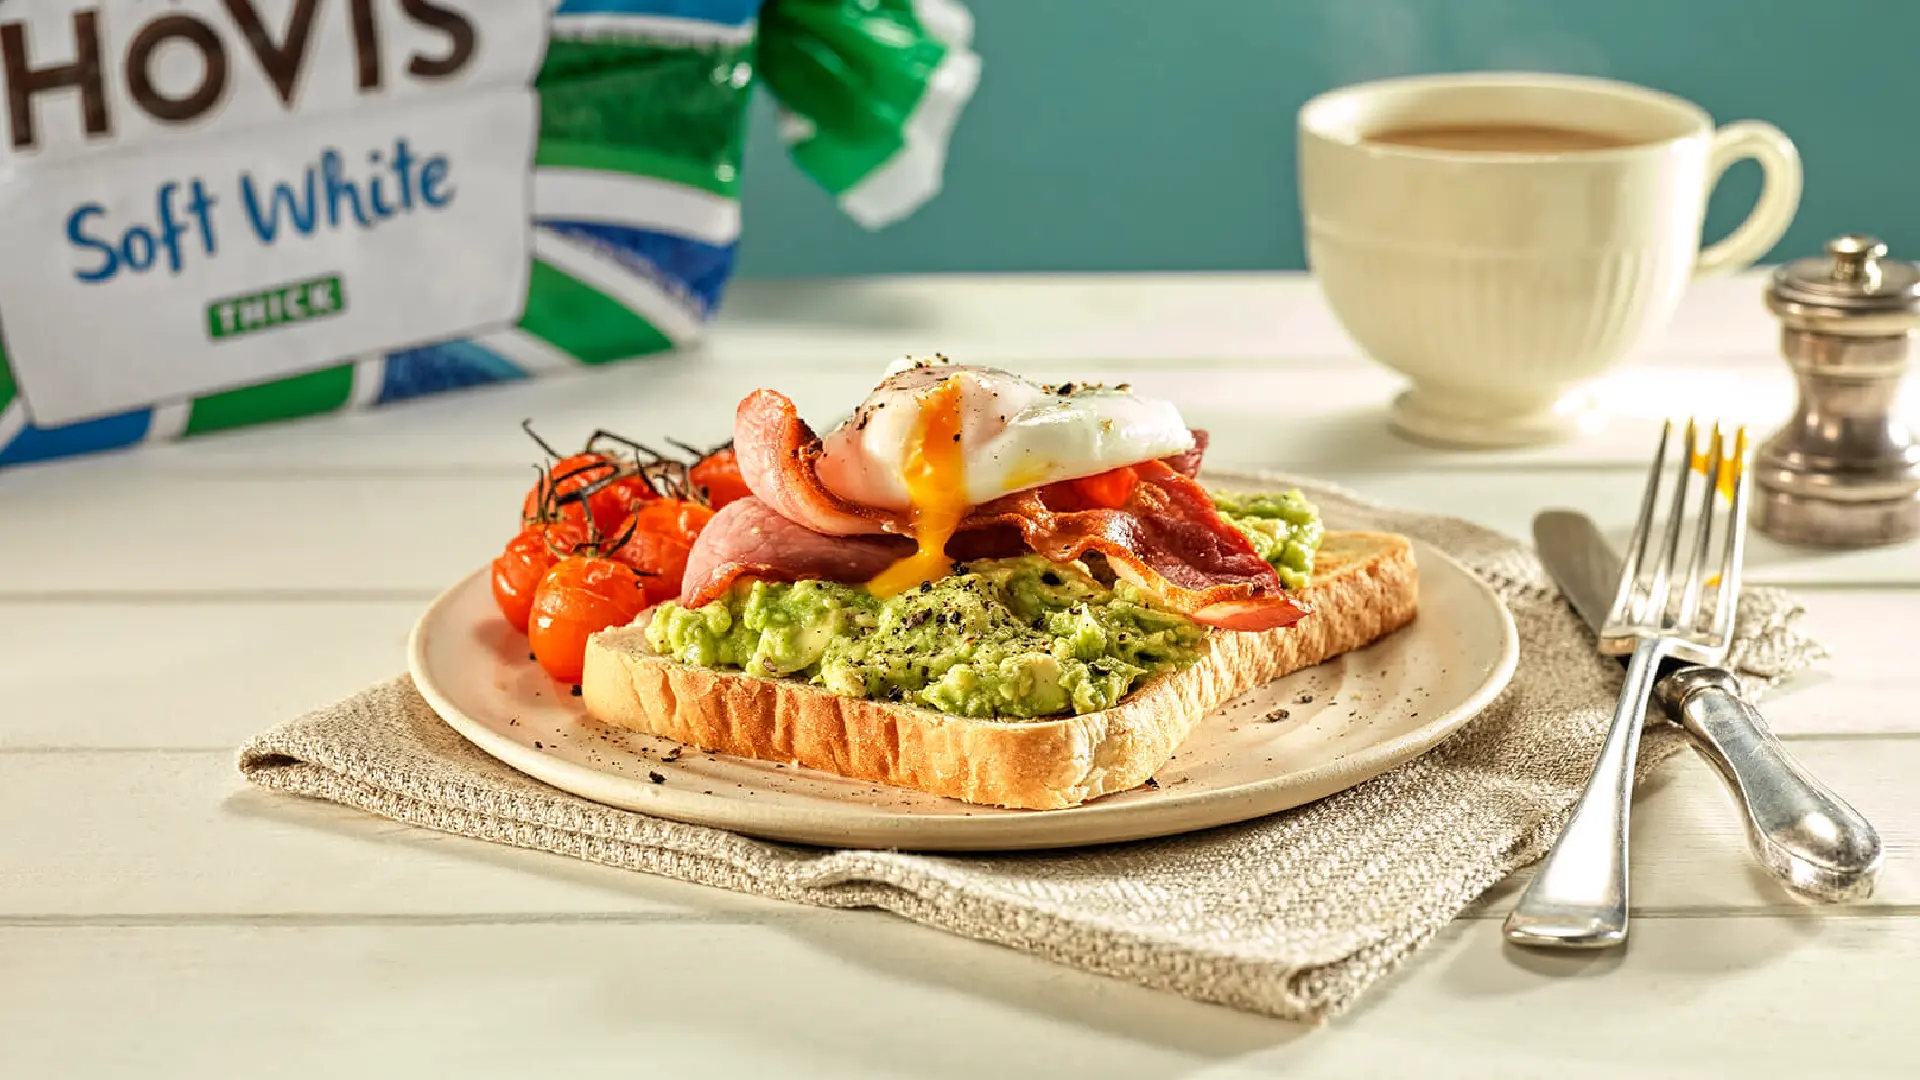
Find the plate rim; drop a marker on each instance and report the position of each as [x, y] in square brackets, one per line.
[852, 827]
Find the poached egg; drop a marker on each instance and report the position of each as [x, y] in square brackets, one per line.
[936, 439]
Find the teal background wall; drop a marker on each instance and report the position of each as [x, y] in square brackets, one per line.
[1158, 134]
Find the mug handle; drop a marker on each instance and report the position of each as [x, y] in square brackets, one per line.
[1779, 194]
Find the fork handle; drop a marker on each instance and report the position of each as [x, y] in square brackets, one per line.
[1804, 834]
[1578, 899]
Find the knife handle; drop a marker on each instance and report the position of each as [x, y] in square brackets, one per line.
[1803, 833]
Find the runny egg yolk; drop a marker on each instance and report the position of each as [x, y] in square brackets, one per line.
[936, 491]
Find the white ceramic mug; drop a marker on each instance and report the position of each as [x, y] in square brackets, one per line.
[1500, 282]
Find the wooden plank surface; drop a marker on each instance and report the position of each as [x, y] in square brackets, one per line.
[858, 995]
[1239, 319]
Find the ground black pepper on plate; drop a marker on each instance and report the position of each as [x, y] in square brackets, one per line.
[656, 778]
[576, 690]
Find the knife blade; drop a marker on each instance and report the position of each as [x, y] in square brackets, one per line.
[1810, 839]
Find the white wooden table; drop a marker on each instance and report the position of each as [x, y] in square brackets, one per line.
[158, 918]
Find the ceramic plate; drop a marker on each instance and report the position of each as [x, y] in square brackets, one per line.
[1290, 742]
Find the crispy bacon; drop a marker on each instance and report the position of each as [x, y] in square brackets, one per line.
[1188, 463]
[1167, 538]
[748, 538]
[776, 450]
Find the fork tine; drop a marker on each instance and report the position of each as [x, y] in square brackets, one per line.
[1642, 530]
[1689, 616]
[1655, 612]
[1733, 554]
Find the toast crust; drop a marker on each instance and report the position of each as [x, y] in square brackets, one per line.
[1365, 586]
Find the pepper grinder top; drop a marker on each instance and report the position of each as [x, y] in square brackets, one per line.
[1845, 470]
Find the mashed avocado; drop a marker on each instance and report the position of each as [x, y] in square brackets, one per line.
[1021, 637]
[1283, 527]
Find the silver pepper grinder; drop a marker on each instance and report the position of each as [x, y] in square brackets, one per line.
[1844, 472]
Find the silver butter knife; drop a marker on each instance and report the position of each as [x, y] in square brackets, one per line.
[1809, 838]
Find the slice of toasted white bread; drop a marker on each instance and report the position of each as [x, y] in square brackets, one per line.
[1365, 586]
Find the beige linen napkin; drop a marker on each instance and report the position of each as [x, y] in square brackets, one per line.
[1292, 915]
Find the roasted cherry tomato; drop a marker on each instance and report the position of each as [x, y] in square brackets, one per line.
[615, 502]
[1108, 490]
[613, 491]
[661, 535]
[517, 570]
[581, 595]
[719, 474]
[545, 500]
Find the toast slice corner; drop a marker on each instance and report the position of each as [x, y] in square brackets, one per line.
[1365, 586]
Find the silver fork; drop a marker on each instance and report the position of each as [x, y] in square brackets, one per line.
[1578, 899]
